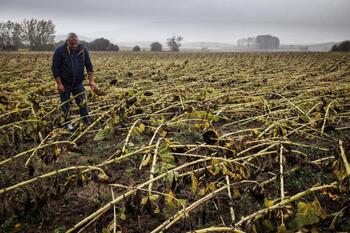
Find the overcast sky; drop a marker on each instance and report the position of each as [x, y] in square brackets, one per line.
[293, 21]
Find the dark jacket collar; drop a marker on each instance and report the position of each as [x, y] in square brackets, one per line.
[80, 48]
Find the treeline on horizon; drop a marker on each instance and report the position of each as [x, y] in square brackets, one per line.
[259, 42]
[39, 35]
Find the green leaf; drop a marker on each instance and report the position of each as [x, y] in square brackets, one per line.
[137, 130]
[305, 118]
[282, 228]
[105, 230]
[267, 225]
[103, 134]
[169, 177]
[181, 202]
[166, 155]
[307, 214]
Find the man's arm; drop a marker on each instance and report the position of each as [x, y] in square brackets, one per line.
[92, 81]
[90, 71]
[56, 64]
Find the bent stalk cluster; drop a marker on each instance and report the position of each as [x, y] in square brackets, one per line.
[197, 142]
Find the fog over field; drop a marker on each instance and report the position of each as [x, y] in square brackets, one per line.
[225, 21]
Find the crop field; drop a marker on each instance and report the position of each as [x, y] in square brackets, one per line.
[179, 142]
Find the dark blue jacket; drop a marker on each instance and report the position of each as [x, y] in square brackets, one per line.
[70, 65]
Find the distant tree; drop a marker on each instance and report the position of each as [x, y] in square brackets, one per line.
[342, 47]
[102, 44]
[10, 35]
[156, 47]
[83, 42]
[334, 48]
[267, 42]
[174, 43]
[61, 42]
[249, 42]
[136, 49]
[38, 33]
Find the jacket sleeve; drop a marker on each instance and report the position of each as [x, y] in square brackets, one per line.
[88, 63]
[56, 63]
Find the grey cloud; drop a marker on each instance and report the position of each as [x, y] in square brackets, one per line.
[192, 16]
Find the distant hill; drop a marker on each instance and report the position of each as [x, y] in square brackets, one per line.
[142, 44]
[185, 46]
[210, 46]
[324, 47]
[63, 37]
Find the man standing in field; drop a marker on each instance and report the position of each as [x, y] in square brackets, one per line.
[68, 65]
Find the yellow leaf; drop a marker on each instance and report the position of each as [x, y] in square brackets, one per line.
[201, 192]
[103, 177]
[211, 187]
[163, 133]
[255, 132]
[194, 183]
[141, 128]
[235, 193]
[214, 169]
[115, 119]
[215, 162]
[234, 176]
[243, 171]
[154, 197]
[146, 160]
[268, 203]
[157, 210]
[57, 151]
[224, 170]
[122, 215]
[144, 200]
[170, 197]
[318, 209]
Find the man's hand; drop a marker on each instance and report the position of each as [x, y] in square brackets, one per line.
[93, 85]
[60, 88]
